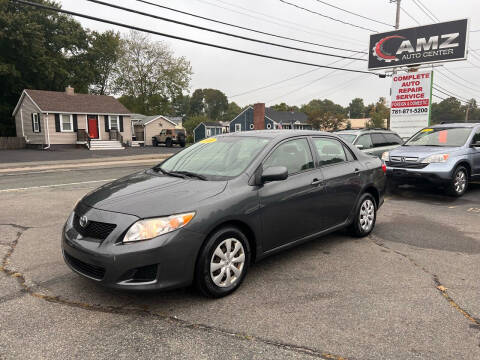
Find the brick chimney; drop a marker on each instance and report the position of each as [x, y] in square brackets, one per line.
[259, 116]
[69, 90]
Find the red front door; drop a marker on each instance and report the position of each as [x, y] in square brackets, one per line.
[93, 127]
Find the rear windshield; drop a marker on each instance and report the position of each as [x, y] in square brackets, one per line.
[217, 158]
[440, 137]
[347, 137]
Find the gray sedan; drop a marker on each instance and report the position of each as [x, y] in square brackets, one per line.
[206, 213]
[445, 154]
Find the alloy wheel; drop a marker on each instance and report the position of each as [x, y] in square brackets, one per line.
[367, 215]
[460, 181]
[227, 262]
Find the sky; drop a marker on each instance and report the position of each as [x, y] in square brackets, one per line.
[238, 75]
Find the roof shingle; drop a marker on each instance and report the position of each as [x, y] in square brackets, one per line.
[78, 103]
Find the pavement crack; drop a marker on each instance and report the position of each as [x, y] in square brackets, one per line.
[127, 309]
[438, 285]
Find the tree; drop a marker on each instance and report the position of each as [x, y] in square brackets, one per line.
[379, 114]
[39, 49]
[449, 109]
[211, 103]
[103, 54]
[356, 109]
[192, 122]
[232, 111]
[324, 114]
[149, 75]
[284, 107]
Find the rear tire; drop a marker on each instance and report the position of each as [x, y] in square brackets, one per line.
[168, 142]
[365, 216]
[459, 183]
[223, 262]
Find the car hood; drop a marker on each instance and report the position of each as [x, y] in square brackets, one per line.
[146, 194]
[420, 151]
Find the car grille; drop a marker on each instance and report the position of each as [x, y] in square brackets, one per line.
[406, 165]
[95, 272]
[94, 229]
[403, 159]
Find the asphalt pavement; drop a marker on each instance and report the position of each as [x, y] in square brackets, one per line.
[409, 291]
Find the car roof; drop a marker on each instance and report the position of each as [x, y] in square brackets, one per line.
[276, 134]
[456, 125]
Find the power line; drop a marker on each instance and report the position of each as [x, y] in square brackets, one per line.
[220, 32]
[283, 22]
[280, 81]
[442, 92]
[353, 13]
[46, 7]
[326, 16]
[248, 29]
[448, 92]
[451, 72]
[425, 11]
[410, 16]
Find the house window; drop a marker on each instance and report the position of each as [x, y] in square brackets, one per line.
[238, 127]
[113, 125]
[66, 123]
[36, 124]
[209, 132]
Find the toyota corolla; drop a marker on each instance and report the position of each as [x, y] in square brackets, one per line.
[205, 214]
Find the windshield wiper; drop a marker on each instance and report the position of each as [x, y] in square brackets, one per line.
[189, 174]
[165, 172]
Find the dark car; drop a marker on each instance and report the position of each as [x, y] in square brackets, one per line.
[372, 141]
[206, 213]
[445, 155]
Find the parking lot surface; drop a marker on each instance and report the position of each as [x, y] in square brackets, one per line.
[410, 290]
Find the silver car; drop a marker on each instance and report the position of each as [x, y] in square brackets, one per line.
[372, 141]
[445, 154]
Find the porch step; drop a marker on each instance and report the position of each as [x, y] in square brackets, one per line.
[106, 145]
[137, 143]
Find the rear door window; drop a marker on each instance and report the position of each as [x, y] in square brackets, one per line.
[330, 151]
[365, 141]
[379, 140]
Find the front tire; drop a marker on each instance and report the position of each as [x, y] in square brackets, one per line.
[365, 216]
[459, 183]
[155, 142]
[223, 262]
[168, 142]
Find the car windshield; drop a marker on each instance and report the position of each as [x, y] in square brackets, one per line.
[347, 137]
[216, 158]
[440, 137]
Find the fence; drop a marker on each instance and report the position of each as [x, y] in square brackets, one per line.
[8, 143]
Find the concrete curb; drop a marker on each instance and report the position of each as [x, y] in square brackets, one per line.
[73, 164]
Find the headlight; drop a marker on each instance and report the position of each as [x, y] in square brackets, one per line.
[437, 158]
[150, 228]
[386, 156]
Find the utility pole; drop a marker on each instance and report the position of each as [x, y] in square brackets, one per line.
[397, 26]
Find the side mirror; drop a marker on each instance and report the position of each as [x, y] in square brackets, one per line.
[359, 146]
[274, 173]
[475, 144]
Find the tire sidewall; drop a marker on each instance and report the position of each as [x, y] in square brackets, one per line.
[356, 227]
[203, 279]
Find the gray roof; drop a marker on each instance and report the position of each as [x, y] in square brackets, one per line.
[143, 119]
[286, 117]
[212, 123]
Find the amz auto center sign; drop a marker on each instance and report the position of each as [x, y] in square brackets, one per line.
[411, 102]
[424, 44]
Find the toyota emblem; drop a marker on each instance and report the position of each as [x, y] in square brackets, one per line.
[83, 221]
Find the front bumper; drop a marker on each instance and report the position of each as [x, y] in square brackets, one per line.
[437, 173]
[165, 262]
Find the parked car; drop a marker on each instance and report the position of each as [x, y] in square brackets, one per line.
[446, 155]
[170, 137]
[372, 141]
[203, 215]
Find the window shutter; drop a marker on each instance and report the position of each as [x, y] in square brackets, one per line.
[107, 129]
[57, 122]
[39, 117]
[33, 126]
[75, 123]
[120, 119]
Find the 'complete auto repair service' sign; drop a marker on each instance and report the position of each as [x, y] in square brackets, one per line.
[445, 41]
[411, 102]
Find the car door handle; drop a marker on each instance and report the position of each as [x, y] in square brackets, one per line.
[316, 181]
